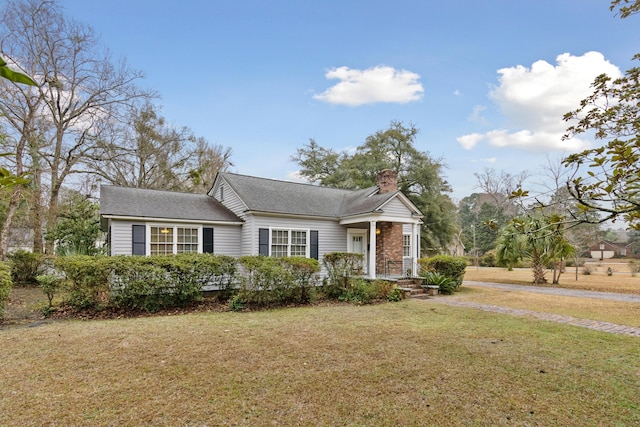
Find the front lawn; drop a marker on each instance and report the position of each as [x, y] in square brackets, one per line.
[408, 363]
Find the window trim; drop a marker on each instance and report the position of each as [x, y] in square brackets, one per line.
[410, 240]
[307, 232]
[175, 227]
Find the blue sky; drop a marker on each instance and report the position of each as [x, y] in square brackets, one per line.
[486, 82]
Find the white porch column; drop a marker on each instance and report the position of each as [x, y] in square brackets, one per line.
[372, 249]
[416, 249]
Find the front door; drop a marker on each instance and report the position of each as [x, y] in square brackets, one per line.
[357, 243]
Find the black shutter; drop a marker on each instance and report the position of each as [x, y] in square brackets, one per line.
[207, 240]
[138, 239]
[313, 244]
[263, 241]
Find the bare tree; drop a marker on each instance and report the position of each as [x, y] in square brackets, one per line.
[150, 153]
[80, 89]
[499, 186]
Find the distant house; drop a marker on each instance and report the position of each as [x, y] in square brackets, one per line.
[605, 249]
[246, 215]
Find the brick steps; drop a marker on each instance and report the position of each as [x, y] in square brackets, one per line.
[413, 288]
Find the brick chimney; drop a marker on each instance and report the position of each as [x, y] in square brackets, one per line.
[387, 181]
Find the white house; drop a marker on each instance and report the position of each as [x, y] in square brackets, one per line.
[246, 215]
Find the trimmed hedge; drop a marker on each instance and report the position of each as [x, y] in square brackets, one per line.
[363, 291]
[5, 287]
[341, 267]
[275, 281]
[145, 283]
[449, 266]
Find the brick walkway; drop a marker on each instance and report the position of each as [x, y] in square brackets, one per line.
[597, 325]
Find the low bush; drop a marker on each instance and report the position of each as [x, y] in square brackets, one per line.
[50, 285]
[276, 281]
[144, 283]
[341, 267]
[87, 280]
[445, 284]
[25, 267]
[586, 270]
[363, 291]
[5, 287]
[488, 259]
[446, 265]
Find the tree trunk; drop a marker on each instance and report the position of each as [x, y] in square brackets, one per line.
[538, 270]
[6, 226]
[36, 214]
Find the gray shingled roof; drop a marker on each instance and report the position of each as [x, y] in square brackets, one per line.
[137, 202]
[268, 195]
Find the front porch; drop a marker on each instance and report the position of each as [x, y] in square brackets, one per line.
[390, 248]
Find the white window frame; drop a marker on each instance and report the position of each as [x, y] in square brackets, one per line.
[175, 228]
[405, 237]
[307, 232]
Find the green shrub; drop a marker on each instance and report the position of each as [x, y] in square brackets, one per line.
[363, 291]
[341, 267]
[5, 287]
[445, 284]
[153, 283]
[25, 266]
[269, 281]
[50, 285]
[488, 259]
[87, 280]
[140, 283]
[236, 303]
[396, 294]
[449, 266]
[144, 283]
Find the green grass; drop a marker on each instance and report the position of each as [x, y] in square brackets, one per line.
[410, 363]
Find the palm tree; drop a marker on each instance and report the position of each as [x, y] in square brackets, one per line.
[539, 239]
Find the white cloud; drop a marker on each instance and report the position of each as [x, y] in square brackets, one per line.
[534, 100]
[377, 84]
[477, 114]
[485, 160]
[470, 141]
[457, 92]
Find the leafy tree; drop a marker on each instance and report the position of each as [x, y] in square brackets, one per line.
[78, 226]
[419, 175]
[538, 239]
[611, 185]
[480, 220]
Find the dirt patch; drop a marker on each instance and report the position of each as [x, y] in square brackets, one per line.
[25, 306]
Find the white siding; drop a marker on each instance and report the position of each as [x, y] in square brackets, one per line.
[230, 199]
[396, 208]
[332, 237]
[226, 240]
[121, 237]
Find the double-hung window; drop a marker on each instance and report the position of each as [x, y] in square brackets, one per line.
[173, 240]
[406, 245]
[289, 243]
